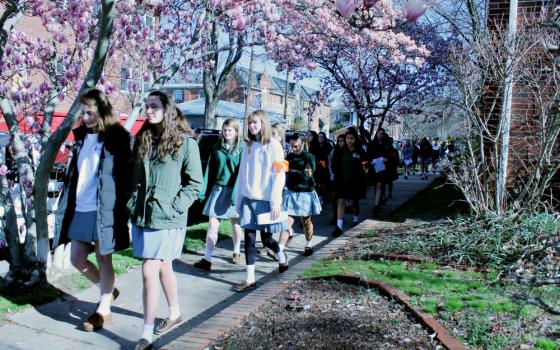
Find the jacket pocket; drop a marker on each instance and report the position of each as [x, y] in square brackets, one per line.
[162, 207]
[131, 203]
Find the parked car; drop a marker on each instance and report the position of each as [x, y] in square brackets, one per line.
[206, 139]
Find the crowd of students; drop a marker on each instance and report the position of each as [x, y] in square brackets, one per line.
[259, 182]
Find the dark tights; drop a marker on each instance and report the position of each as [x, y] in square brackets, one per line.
[250, 240]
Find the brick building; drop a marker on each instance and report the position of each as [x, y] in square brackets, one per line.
[267, 92]
[523, 139]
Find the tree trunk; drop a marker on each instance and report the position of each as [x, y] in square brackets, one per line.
[32, 270]
[286, 94]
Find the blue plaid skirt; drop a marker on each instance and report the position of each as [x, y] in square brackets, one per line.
[301, 203]
[250, 208]
[219, 205]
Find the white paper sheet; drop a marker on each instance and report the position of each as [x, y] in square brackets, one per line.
[378, 164]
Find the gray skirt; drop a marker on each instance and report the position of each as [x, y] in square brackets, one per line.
[83, 227]
[301, 203]
[219, 204]
[166, 244]
[250, 208]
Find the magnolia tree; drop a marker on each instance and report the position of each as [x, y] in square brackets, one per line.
[187, 36]
[368, 48]
[36, 74]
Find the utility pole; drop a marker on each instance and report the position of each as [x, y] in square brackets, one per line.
[287, 87]
[505, 120]
[249, 86]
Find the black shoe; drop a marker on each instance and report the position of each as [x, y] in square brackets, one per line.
[203, 264]
[308, 251]
[355, 223]
[143, 344]
[337, 232]
[270, 253]
[375, 210]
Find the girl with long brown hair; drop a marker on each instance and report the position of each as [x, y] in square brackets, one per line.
[92, 204]
[167, 177]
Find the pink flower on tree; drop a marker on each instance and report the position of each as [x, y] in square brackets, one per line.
[414, 9]
[370, 3]
[3, 170]
[346, 8]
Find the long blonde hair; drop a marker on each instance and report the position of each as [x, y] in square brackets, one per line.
[265, 127]
[281, 130]
[232, 123]
[174, 127]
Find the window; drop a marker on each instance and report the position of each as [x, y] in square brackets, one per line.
[149, 22]
[178, 96]
[129, 81]
[201, 93]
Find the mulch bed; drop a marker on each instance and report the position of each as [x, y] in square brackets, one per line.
[327, 315]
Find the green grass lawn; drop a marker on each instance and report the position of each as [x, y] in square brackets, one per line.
[467, 300]
[196, 235]
[439, 200]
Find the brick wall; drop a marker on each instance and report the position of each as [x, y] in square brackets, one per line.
[524, 141]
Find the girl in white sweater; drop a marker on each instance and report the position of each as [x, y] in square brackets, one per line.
[262, 174]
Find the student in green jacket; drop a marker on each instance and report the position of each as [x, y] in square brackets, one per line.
[219, 189]
[167, 177]
[299, 197]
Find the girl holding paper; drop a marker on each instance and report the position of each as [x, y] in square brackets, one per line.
[379, 152]
[219, 186]
[262, 175]
[350, 179]
[300, 198]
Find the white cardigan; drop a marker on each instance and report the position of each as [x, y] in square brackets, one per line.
[260, 176]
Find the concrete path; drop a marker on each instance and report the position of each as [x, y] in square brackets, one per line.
[57, 325]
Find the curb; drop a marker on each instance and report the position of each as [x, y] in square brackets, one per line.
[447, 340]
[201, 336]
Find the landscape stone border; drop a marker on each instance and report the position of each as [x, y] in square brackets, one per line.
[201, 336]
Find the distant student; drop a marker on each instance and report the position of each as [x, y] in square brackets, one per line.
[300, 198]
[350, 179]
[262, 175]
[334, 158]
[219, 189]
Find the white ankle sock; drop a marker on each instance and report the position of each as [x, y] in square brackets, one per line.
[174, 312]
[309, 243]
[148, 332]
[208, 254]
[281, 257]
[356, 218]
[250, 273]
[104, 307]
[339, 223]
[237, 247]
[282, 247]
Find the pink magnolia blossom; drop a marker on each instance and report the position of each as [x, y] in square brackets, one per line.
[3, 170]
[346, 8]
[370, 3]
[414, 9]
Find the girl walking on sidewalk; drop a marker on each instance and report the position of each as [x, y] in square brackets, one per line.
[167, 178]
[262, 175]
[350, 178]
[219, 187]
[334, 158]
[300, 198]
[92, 205]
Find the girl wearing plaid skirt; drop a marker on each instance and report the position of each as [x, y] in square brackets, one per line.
[219, 189]
[300, 198]
[262, 175]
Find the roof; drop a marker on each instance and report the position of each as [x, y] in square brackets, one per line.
[278, 85]
[225, 109]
